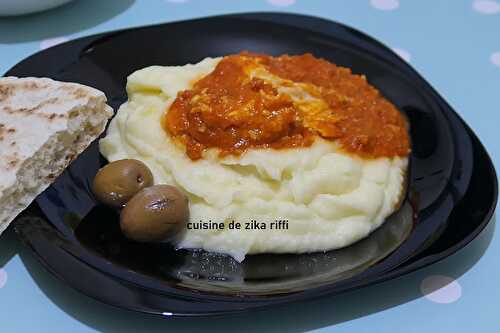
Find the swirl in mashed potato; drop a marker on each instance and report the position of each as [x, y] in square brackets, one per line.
[330, 197]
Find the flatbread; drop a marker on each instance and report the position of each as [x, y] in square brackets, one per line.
[44, 126]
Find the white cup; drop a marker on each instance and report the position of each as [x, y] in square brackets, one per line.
[21, 7]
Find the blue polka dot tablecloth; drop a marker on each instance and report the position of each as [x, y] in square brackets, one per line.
[454, 44]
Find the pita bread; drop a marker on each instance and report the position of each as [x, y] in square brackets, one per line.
[44, 125]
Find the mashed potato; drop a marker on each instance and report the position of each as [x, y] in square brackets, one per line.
[331, 199]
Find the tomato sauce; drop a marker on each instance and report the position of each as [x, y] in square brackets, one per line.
[259, 101]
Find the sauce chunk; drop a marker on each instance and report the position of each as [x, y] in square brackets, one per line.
[259, 101]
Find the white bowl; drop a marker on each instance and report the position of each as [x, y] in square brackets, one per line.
[21, 7]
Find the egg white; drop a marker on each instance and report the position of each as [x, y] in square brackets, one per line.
[330, 199]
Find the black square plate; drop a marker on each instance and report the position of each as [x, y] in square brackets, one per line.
[452, 186]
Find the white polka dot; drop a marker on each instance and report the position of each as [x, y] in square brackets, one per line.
[486, 6]
[52, 42]
[495, 59]
[441, 289]
[405, 55]
[385, 4]
[281, 3]
[3, 278]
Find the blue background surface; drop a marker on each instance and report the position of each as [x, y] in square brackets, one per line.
[451, 44]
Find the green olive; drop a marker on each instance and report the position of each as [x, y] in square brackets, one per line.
[154, 214]
[116, 183]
